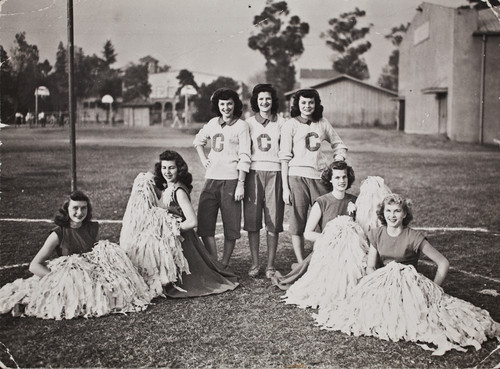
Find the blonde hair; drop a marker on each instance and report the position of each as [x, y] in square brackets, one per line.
[396, 199]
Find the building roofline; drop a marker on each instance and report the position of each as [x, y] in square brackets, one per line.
[449, 6]
[138, 102]
[342, 76]
[148, 57]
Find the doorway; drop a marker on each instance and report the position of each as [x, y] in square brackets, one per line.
[442, 112]
[401, 115]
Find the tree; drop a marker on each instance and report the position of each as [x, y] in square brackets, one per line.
[83, 77]
[58, 80]
[202, 100]
[484, 4]
[25, 57]
[346, 40]
[7, 88]
[87, 70]
[390, 73]
[163, 68]
[280, 47]
[93, 75]
[185, 78]
[135, 82]
[61, 64]
[89, 74]
[109, 53]
[22, 73]
[27, 72]
[108, 81]
[44, 69]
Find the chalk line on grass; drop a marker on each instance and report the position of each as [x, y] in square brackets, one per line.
[429, 229]
[452, 229]
[114, 221]
[14, 266]
[26, 220]
[285, 226]
[470, 274]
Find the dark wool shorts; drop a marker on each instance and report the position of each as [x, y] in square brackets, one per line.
[263, 194]
[303, 193]
[219, 194]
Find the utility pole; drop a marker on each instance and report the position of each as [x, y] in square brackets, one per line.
[71, 94]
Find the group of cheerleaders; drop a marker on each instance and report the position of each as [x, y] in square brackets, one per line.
[360, 278]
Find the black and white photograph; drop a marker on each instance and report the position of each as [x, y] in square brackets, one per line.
[250, 184]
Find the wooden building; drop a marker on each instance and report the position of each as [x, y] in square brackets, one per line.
[136, 113]
[349, 101]
[93, 110]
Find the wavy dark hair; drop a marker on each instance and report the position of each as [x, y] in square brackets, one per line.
[183, 174]
[61, 218]
[326, 176]
[309, 93]
[226, 94]
[264, 87]
[396, 199]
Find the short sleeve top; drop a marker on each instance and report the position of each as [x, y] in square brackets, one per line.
[331, 207]
[76, 240]
[405, 248]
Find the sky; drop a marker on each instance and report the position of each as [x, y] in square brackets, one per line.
[209, 36]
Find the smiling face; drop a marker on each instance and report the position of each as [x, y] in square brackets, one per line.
[394, 215]
[226, 108]
[77, 211]
[339, 180]
[264, 102]
[306, 106]
[169, 171]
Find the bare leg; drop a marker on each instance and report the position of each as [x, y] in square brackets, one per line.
[210, 245]
[272, 245]
[253, 241]
[228, 251]
[298, 247]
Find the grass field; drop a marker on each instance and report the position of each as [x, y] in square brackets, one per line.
[452, 185]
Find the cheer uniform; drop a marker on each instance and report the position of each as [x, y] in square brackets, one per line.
[301, 147]
[230, 152]
[263, 184]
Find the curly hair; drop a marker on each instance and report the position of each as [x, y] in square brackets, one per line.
[183, 174]
[326, 176]
[61, 218]
[396, 199]
[263, 87]
[309, 93]
[226, 94]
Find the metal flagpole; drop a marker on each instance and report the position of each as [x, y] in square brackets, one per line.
[71, 94]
